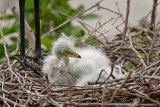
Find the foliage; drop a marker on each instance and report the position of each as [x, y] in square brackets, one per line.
[49, 18]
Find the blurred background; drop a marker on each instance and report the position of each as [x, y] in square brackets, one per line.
[100, 21]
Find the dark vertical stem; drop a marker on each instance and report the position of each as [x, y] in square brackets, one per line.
[127, 17]
[37, 27]
[22, 29]
[153, 17]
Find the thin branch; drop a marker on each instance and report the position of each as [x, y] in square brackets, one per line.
[7, 57]
[122, 84]
[127, 17]
[153, 17]
[144, 97]
[73, 18]
[28, 30]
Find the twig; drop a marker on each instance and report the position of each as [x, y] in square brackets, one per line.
[115, 104]
[136, 52]
[156, 71]
[100, 7]
[153, 17]
[85, 25]
[55, 103]
[12, 102]
[76, 16]
[128, 30]
[126, 22]
[127, 17]
[6, 54]
[122, 84]
[17, 48]
[144, 97]
[28, 30]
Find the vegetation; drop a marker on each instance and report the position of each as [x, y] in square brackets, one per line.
[135, 51]
[49, 18]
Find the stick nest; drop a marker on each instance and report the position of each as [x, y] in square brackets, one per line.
[139, 88]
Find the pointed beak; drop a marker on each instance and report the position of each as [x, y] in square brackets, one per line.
[73, 54]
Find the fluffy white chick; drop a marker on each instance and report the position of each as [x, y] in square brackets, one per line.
[65, 66]
[88, 68]
[56, 64]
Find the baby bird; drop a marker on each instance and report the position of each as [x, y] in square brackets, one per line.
[76, 66]
[56, 64]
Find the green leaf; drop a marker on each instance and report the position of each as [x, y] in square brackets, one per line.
[13, 28]
[46, 41]
[143, 55]
[7, 17]
[49, 19]
[89, 16]
[1, 51]
[130, 65]
[80, 9]
[77, 31]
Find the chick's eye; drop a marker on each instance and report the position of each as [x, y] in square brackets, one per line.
[67, 51]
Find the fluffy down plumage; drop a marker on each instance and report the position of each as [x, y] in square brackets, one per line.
[77, 71]
[88, 68]
[55, 65]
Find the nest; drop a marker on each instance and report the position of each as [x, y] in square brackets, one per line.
[139, 88]
[138, 53]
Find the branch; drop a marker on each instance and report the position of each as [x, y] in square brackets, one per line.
[76, 16]
[153, 17]
[28, 30]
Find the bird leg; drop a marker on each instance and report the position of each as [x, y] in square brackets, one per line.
[26, 65]
[22, 56]
[22, 29]
[37, 27]
[37, 56]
